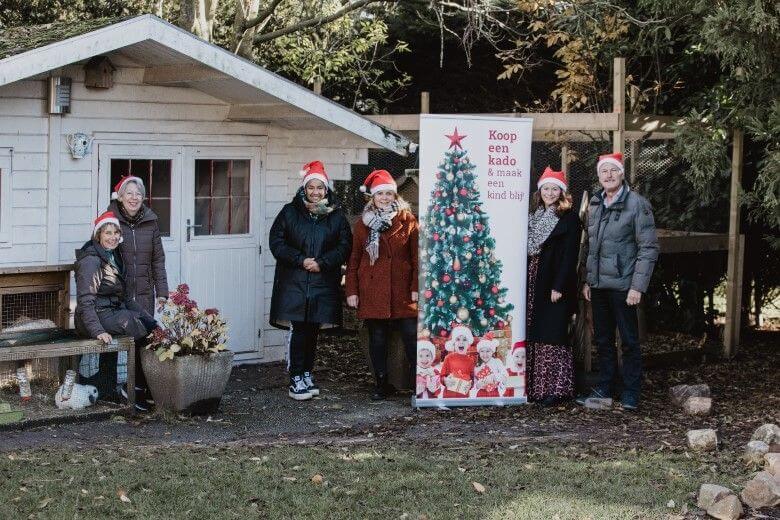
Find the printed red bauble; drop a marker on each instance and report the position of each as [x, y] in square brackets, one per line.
[443, 333]
[456, 265]
[436, 207]
[478, 226]
[438, 193]
[494, 289]
[456, 160]
[478, 251]
[466, 239]
[476, 209]
[438, 175]
[440, 303]
[500, 324]
[446, 278]
[449, 212]
[480, 301]
[428, 293]
[463, 192]
[436, 237]
[492, 312]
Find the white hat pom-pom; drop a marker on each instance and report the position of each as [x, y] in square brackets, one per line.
[114, 196]
[302, 173]
[363, 188]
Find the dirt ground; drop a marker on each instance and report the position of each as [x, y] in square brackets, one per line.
[257, 411]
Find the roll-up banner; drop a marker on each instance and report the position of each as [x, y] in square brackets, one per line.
[474, 190]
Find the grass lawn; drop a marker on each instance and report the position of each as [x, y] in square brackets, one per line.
[383, 481]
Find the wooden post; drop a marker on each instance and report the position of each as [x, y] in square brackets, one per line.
[425, 102]
[736, 253]
[619, 103]
[318, 86]
[565, 160]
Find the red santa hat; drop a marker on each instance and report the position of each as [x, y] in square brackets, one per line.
[314, 170]
[122, 182]
[487, 342]
[550, 176]
[424, 344]
[458, 330]
[615, 159]
[379, 180]
[518, 345]
[107, 217]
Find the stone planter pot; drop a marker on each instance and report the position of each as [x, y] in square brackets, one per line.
[189, 384]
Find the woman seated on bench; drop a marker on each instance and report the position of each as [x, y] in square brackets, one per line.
[101, 306]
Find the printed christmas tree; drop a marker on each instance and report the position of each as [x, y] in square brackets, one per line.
[462, 279]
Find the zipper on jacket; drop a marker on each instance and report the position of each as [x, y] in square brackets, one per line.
[135, 259]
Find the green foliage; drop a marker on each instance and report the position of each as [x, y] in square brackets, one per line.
[462, 282]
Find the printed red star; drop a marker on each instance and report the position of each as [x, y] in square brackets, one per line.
[455, 138]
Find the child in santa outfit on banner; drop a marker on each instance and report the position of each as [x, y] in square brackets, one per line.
[515, 367]
[489, 374]
[457, 370]
[427, 377]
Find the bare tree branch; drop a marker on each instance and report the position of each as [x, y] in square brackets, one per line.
[316, 21]
[262, 15]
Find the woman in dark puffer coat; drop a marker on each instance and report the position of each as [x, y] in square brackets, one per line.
[102, 307]
[310, 240]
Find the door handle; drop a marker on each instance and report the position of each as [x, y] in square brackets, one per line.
[189, 228]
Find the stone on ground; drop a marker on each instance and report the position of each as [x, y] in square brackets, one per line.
[772, 463]
[702, 440]
[762, 491]
[727, 508]
[680, 393]
[768, 433]
[697, 405]
[755, 451]
[596, 403]
[711, 493]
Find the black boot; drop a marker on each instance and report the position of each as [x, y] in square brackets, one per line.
[380, 388]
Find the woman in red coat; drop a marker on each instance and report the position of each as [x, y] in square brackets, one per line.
[382, 273]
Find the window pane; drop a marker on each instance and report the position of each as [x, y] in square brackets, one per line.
[202, 178]
[220, 178]
[163, 209]
[202, 216]
[140, 168]
[240, 216]
[239, 185]
[119, 168]
[161, 179]
[219, 216]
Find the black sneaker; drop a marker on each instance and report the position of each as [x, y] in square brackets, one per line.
[629, 402]
[298, 389]
[309, 380]
[595, 394]
[141, 403]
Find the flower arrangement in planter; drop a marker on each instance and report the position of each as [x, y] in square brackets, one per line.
[186, 363]
[187, 329]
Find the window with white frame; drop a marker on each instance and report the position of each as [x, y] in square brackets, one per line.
[5, 197]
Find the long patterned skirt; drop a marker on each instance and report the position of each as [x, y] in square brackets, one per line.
[550, 368]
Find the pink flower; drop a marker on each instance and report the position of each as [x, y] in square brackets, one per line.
[183, 288]
[210, 312]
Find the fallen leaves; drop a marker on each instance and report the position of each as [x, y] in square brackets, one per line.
[317, 479]
[122, 494]
[479, 488]
[45, 502]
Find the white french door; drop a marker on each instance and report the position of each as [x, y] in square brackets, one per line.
[208, 203]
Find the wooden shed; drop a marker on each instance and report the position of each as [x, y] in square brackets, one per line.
[218, 140]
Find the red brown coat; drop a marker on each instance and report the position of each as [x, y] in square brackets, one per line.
[384, 289]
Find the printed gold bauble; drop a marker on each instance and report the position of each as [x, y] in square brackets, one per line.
[483, 322]
[468, 255]
[463, 314]
[453, 299]
[435, 284]
[425, 333]
[450, 177]
[461, 217]
[482, 278]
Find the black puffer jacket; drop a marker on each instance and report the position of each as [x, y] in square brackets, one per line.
[295, 235]
[144, 258]
[99, 285]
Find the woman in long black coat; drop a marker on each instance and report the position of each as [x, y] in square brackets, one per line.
[310, 240]
[553, 242]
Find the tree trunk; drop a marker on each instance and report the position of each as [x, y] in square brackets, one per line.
[241, 42]
[158, 8]
[757, 298]
[197, 16]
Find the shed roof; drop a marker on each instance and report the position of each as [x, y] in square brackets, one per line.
[171, 56]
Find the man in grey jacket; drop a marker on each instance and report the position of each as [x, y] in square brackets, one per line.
[622, 251]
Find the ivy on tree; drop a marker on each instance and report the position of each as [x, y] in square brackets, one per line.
[462, 281]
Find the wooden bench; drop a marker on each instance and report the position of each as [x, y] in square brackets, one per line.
[75, 347]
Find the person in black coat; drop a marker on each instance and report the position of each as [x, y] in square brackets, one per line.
[310, 239]
[102, 306]
[553, 243]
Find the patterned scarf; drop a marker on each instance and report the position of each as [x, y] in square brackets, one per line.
[315, 209]
[132, 220]
[540, 225]
[378, 220]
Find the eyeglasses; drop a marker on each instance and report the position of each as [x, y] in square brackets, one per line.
[133, 195]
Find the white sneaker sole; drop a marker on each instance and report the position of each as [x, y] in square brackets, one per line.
[314, 392]
[299, 397]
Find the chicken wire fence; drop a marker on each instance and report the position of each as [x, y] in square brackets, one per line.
[674, 301]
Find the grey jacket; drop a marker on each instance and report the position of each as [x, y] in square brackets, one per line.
[622, 244]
